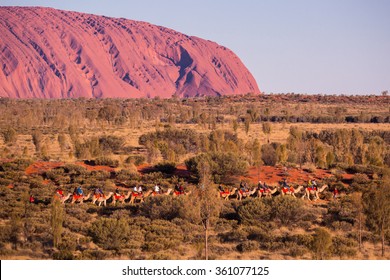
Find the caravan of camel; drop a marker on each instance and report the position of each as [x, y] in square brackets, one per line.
[132, 197]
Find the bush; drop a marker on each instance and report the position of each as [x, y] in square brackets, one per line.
[107, 161]
[166, 167]
[9, 135]
[344, 247]
[253, 212]
[247, 246]
[287, 209]
[268, 155]
[136, 159]
[111, 234]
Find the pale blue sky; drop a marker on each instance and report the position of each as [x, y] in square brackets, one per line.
[301, 46]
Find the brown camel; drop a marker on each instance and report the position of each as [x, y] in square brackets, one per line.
[177, 193]
[227, 193]
[241, 194]
[120, 198]
[62, 199]
[134, 197]
[80, 198]
[291, 191]
[168, 192]
[310, 191]
[266, 193]
[101, 199]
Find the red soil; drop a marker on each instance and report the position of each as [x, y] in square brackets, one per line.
[272, 175]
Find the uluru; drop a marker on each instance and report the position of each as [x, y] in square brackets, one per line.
[49, 53]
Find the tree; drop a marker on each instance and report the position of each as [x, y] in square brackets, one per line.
[210, 205]
[57, 217]
[266, 127]
[377, 208]
[321, 243]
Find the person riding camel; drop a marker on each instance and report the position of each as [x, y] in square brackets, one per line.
[117, 192]
[157, 189]
[265, 187]
[99, 192]
[314, 184]
[243, 187]
[285, 186]
[59, 192]
[79, 191]
[260, 185]
[181, 189]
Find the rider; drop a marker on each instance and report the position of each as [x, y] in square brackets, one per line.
[140, 189]
[181, 189]
[99, 192]
[285, 186]
[314, 184]
[243, 187]
[59, 192]
[79, 191]
[117, 192]
[157, 189]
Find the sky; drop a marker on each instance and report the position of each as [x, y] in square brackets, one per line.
[300, 46]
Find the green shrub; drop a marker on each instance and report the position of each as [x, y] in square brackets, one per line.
[253, 212]
[107, 161]
[287, 209]
[110, 234]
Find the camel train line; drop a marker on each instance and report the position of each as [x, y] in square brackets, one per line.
[132, 197]
[270, 191]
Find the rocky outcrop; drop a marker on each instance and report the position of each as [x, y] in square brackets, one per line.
[48, 53]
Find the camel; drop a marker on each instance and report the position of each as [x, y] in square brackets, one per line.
[80, 198]
[291, 191]
[226, 194]
[101, 199]
[62, 199]
[121, 198]
[241, 194]
[177, 193]
[139, 196]
[310, 190]
[267, 193]
[168, 192]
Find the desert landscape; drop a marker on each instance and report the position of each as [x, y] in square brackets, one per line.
[198, 144]
[120, 139]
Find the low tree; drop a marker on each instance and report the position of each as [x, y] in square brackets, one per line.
[377, 208]
[321, 243]
[57, 218]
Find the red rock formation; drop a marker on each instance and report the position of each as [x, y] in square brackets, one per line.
[48, 53]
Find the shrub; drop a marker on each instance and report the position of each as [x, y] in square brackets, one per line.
[247, 246]
[111, 234]
[9, 135]
[111, 143]
[268, 155]
[107, 161]
[162, 235]
[344, 247]
[288, 210]
[321, 244]
[253, 212]
[136, 159]
[166, 167]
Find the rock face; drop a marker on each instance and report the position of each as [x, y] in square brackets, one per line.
[49, 53]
